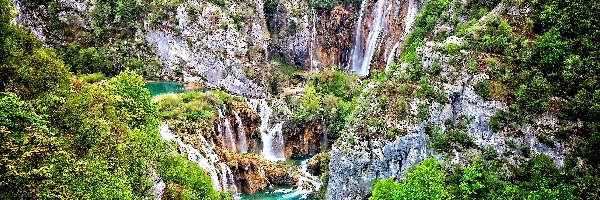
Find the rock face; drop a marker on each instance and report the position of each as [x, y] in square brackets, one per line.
[213, 48]
[305, 139]
[253, 173]
[335, 36]
[364, 154]
[354, 167]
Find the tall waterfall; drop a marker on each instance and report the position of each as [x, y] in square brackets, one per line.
[381, 24]
[205, 157]
[361, 56]
[314, 62]
[271, 134]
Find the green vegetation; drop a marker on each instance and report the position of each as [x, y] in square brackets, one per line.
[537, 178]
[424, 181]
[331, 96]
[482, 88]
[64, 138]
[328, 4]
[424, 24]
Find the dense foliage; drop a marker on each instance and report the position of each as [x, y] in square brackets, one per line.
[329, 96]
[537, 179]
[64, 138]
[424, 181]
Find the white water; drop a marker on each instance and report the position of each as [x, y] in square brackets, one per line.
[314, 62]
[242, 142]
[382, 12]
[207, 159]
[272, 135]
[409, 20]
[227, 135]
[357, 52]
[361, 62]
[307, 182]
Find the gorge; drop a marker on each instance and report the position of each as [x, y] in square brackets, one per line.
[299, 99]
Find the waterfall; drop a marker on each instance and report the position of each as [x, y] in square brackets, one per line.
[272, 135]
[227, 178]
[228, 138]
[360, 61]
[242, 143]
[307, 183]
[382, 30]
[409, 19]
[221, 178]
[314, 61]
[357, 53]
[206, 164]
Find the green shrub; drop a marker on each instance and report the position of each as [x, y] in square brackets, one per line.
[451, 49]
[422, 112]
[424, 181]
[423, 25]
[437, 139]
[482, 88]
[93, 78]
[463, 139]
[435, 69]
[496, 122]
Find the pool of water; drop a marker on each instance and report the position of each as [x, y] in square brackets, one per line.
[158, 88]
[274, 193]
[279, 192]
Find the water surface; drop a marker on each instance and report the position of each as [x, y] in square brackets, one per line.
[164, 87]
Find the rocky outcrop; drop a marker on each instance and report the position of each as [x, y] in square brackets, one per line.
[245, 121]
[355, 164]
[217, 47]
[335, 35]
[364, 154]
[305, 139]
[253, 173]
[319, 164]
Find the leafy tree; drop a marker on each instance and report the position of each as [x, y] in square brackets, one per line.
[425, 181]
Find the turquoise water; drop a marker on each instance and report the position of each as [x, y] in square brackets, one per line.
[278, 192]
[158, 88]
[273, 193]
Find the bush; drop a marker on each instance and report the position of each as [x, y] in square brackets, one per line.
[435, 69]
[424, 181]
[483, 89]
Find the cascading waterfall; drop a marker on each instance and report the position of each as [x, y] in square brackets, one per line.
[307, 180]
[242, 142]
[227, 178]
[207, 159]
[381, 31]
[272, 135]
[361, 62]
[357, 51]
[227, 134]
